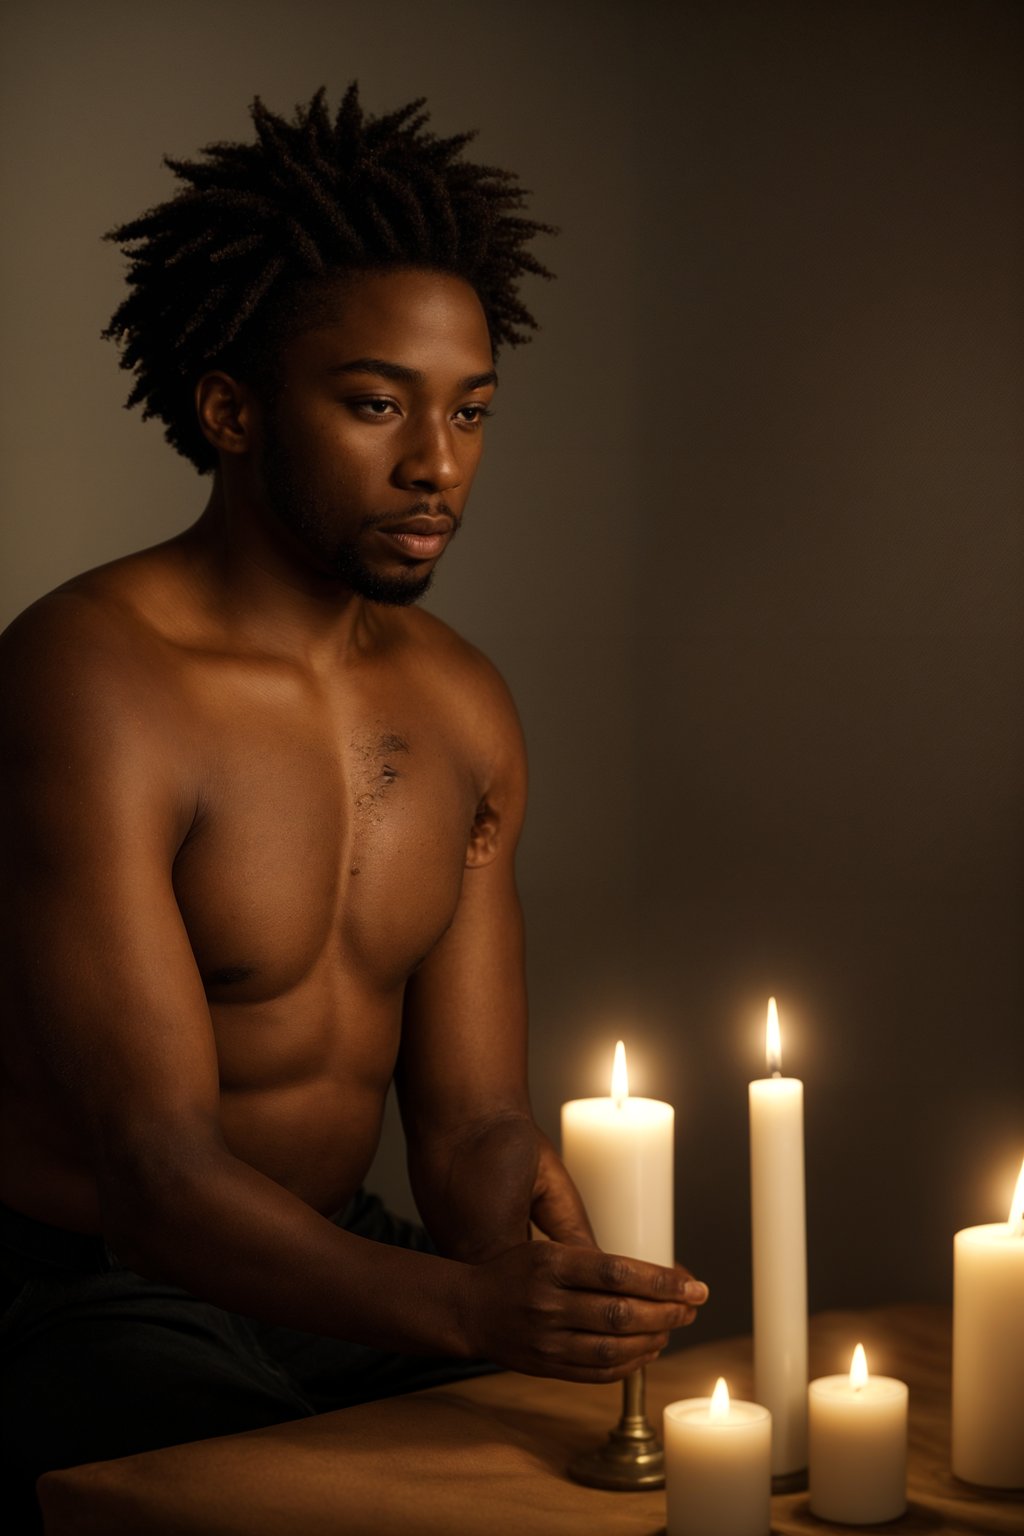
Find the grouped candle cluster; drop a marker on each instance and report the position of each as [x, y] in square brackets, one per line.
[847, 1432]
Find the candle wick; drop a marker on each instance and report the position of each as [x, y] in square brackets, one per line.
[776, 1073]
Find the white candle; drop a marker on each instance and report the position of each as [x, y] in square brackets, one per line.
[988, 1350]
[858, 1446]
[619, 1152]
[779, 1236]
[718, 1479]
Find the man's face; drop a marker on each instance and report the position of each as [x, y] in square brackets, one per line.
[368, 448]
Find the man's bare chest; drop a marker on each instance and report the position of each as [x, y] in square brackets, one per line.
[326, 838]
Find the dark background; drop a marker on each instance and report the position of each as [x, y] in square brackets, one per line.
[748, 545]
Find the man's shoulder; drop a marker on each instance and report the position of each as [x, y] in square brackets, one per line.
[470, 680]
[80, 655]
[473, 697]
[105, 600]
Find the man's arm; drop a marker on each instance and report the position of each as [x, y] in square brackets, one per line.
[96, 799]
[480, 1168]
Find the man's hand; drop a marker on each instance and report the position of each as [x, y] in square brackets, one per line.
[556, 1207]
[549, 1309]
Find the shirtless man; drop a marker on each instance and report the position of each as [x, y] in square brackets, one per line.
[259, 817]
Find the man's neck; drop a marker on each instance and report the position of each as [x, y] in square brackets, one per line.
[262, 594]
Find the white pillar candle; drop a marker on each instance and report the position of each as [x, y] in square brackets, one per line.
[779, 1239]
[718, 1479]
[988, 1350]
[858, 1446]
[619, 1152]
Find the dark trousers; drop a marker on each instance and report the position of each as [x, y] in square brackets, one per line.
[98, 1362]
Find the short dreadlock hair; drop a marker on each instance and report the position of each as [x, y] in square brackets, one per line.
[220, 271]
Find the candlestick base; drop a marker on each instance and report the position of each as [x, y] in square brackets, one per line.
[632, 1459]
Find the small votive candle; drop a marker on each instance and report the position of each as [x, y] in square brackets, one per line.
[857, 1446]
[718, 1466]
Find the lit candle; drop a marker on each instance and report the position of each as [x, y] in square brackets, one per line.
[779, 1236]
[619, 1152]
[858, 1446]
[988, 1350]
[718, 1479]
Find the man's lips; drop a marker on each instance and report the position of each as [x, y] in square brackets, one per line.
[422, 537]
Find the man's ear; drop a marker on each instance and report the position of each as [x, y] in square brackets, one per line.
[225, 411]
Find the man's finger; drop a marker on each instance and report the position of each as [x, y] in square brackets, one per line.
[601, 1352]
[590, 1269]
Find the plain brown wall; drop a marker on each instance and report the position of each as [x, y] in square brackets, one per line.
[748, 545]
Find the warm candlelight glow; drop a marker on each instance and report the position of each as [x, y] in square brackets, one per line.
[719, 1408]
[620, 1081]
[859, 1369]
[773, 1040]
[1016, 1216]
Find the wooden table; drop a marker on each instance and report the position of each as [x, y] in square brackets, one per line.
[488, 1457]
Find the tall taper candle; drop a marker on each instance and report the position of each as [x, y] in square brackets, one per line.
[779, 1234]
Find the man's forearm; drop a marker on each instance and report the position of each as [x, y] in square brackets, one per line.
[232, 1236]
[475, 1192]
[229, 1235]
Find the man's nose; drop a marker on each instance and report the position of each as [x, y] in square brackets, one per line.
[429, 461]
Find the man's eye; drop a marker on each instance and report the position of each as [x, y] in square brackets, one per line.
[375, 407]
[473, 415]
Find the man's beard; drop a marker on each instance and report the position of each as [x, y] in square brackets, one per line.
[295, 508]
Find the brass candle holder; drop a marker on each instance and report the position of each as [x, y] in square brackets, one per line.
[632, 1459]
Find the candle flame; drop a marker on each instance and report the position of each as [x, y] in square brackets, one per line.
[1016, 1217]
[719, 1408]
[773, 1040]
[620, 1079]
[859, 1369]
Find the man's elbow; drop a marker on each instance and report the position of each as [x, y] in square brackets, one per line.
[150, 1188]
